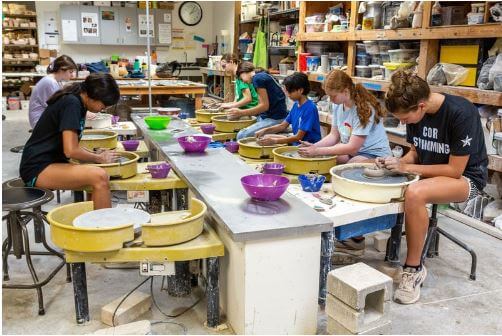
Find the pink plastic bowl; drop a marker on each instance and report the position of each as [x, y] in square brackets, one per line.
[232, 146]
[207, 128]
[273, 168]
[197, 145]
[160, 170]
[265, 187]
[130, 145]
[115, 119]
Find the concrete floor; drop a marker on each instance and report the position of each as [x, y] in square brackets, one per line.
[450, 303]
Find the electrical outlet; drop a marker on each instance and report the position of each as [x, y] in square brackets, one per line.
[150, 268]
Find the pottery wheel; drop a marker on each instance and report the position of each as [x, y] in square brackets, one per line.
[112, 217]
[357, 174]
[94, 136]
[295, 155]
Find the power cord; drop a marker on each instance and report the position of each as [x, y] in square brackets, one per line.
[125, 297]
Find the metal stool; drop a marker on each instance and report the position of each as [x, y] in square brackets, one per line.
[431, 246]
[16, 200]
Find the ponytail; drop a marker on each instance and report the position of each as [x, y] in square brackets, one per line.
[98, 86]
[338, 80]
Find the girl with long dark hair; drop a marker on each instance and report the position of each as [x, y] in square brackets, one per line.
[55, 140]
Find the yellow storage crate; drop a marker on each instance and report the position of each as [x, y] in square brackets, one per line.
[460, 54]
[471, 77]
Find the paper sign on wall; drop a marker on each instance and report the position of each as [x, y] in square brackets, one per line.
[128, 24]
[178, 38]
[167, 17]
[165, 33]
[69, 28]
[90, 25]
[142, 24]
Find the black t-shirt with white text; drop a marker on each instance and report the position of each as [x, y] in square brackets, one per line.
[454, 129]
[45, 146]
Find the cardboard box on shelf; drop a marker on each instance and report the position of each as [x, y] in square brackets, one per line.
[53, 53]
[45, 61]
[44, 53]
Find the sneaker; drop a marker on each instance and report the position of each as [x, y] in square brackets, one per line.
[350, 246]
[408, 291]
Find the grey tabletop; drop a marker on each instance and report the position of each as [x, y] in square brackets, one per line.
[214, 176]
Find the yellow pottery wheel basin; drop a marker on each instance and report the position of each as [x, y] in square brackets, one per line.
[248, 147]
[92, 139]
[126, 167]
[365, 189]
[294, 164]
[224, 125]
[204, 116]
[68, 237]
[174, 227]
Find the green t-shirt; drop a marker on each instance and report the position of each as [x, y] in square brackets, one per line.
[241, 86]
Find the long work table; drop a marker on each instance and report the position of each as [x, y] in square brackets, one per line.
[270, 272]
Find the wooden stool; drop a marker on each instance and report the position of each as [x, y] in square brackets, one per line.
[16, 201]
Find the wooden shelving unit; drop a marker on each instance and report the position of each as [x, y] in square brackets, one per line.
[428, 36]
[13, 65]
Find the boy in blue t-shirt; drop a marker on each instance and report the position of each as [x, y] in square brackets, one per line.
[303, 117]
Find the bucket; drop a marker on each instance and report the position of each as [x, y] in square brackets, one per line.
[313, 63]
[13, 103]
[283, 68]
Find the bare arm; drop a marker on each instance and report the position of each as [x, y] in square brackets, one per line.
[329, 140]
[351, 148]
[272, 129]
[263, 104]
[72, 150]
[246, 99]
[454, 168]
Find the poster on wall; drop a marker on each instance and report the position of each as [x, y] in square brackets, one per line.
[69, 28]
[108, 15]
[90, 26]
[128, 24]
[167, 17]
[178, 38]
[142, 24]
[165, 33]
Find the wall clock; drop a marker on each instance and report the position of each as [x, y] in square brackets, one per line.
[190, 13]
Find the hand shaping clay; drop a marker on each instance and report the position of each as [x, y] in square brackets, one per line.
[374, 171]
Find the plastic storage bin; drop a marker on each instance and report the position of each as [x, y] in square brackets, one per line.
[408, 45]
[384, 46]
[385, 57]
[314, 27]
[363, 71]
[360, 48]
[376, 59]
[403, 55]
[371, 47]
[363, 59]
[390, 68]
[376, 70]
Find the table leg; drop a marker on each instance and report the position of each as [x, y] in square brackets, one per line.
[198, 101]
[394, 242]
[327, 248]
[213, 292]
[179, 284]
[80, 292]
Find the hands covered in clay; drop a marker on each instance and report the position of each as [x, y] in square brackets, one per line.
[234, 113]
[307, 149]
[107, 156]
[391, 163]
[266, 140]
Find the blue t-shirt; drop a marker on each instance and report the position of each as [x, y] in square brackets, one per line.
[305, 118]
[276, 97]
[348, 124]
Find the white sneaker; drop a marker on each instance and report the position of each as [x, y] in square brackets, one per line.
[408, 291]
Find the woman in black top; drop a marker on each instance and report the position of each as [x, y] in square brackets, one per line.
[447, 151]
[55, 140]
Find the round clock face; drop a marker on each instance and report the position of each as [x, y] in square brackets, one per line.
[190, 13]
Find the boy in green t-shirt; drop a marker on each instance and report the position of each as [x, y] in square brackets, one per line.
[245, 93]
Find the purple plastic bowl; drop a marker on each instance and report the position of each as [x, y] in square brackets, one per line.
[265, 187]
[273, 168]
[160, 170]
[207, 128]
[197, 145]
[130, 145]
[115, 119]
[232, 146]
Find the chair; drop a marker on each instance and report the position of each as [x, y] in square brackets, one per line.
[17, 201]
[431, 246]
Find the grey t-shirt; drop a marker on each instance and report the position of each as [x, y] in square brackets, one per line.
[45, 88]
[348, 124]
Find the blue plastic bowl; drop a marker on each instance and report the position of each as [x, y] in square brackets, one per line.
[312, 183]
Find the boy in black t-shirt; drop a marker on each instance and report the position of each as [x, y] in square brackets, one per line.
[55, 140]
[448, 152]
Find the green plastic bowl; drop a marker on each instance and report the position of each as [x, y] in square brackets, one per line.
[157, 122]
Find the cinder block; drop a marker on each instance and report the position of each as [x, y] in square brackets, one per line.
[335, 328]
[134, 306]
[142, 327]
[374, 314]
[351, 284]
[380, 241]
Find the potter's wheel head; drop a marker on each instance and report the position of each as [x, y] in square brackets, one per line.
[357, 174]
